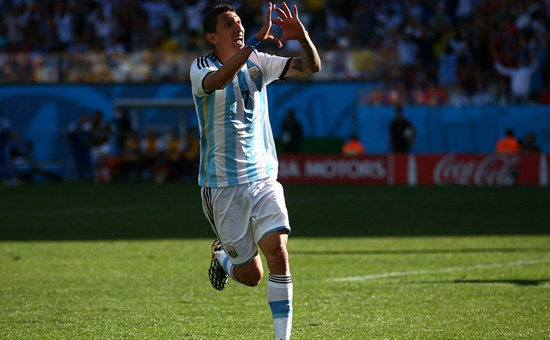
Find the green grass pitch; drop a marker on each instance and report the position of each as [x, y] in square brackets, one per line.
[129, 261]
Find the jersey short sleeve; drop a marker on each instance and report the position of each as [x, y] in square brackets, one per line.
[274, 67]
[200, 68]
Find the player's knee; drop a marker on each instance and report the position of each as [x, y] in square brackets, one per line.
[273, 245]
[252, 283]
[249, 275]
[252, 278]
[278, 253]
[277, 260]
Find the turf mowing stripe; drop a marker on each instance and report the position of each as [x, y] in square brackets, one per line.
[337, 198]
[441, 270]
[84, 211]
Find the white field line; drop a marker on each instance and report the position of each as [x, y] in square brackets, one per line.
[83, 211]
[441, 270]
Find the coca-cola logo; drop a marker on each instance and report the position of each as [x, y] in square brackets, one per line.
[495, 169]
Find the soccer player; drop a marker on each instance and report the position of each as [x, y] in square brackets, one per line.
[241, 197]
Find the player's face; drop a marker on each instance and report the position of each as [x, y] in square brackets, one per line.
[230, 31]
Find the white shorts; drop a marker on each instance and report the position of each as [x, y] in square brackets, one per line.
[241, 215]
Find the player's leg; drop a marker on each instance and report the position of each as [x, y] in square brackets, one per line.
[236, 254]
[279, 286]
[273, 246]
[249, 273]
[272, 227]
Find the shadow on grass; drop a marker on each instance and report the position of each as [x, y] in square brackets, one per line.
[420, 251]
[144, 211]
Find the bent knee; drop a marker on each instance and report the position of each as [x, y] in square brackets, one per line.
[252, 279]
[250, 274]
[251, 283]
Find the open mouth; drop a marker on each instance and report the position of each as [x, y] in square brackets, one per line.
[239, 41]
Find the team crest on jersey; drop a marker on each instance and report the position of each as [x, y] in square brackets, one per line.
[229, 250]
[255, 73]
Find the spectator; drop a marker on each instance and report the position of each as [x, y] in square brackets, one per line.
[7, 137]
[389, 20]
[448, 63]
[464, 9]
[402, 132]
[63, 23]
[353, 147]
[544, 96]
[520, 79]
[190, 155]
[481, 96]
[174, 158]
[103, 26]
[182, 157]
[122, 127]
[152, 149]
[194, 13]
[407, 50]
[78, 136]
[15, 22]
[99, 141]
[130, 168]
[291, 133]
[317, 10]
[375, 97]
[458, 97]
[508, 144]
[529, 144]
[435, 94]
[157, 11]
[337, 26]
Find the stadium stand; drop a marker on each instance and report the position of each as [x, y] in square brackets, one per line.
[423, 52]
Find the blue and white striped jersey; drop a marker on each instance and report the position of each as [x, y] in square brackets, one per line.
[236, 140]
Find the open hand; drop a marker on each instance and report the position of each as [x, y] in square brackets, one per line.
[291, 24]
[264, 34]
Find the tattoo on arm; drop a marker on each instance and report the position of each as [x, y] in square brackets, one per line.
[298, 64]
[308, 61]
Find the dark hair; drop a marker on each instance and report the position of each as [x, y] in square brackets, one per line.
[211, 19]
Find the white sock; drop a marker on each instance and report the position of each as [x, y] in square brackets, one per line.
[226, 264]
[279, 296]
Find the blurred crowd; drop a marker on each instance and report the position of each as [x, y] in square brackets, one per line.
[419, 52]
[111, 150]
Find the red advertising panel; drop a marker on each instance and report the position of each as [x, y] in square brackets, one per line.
[332, 169]
[478, 170]
[447, 169]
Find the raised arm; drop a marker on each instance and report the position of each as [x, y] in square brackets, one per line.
[309, 61]
[502, 69]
